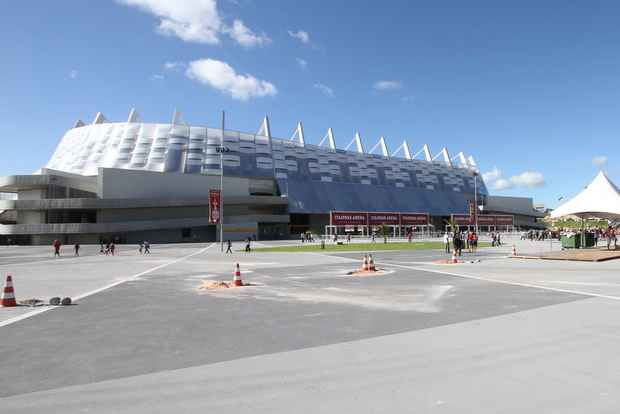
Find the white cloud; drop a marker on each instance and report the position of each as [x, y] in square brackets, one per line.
[301, 35]
[223, 77]
[599, 161]
[325, 89]
[157, 77]
[196, 21]
[525, 179]
[190, 20]
[73, 73]
[246, 37]
[492, 175]
[174, 65]
[502, 184]
[528, 179]
[302, 63]
[387, 85]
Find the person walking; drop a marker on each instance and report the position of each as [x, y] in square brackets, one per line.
[112, 248]
[147, 247]
[56, 245]
[248, 247]
[446, 242]
[228, 247]
[77, 249]
[141, 248]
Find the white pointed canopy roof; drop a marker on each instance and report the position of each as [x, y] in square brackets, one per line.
[601, 198]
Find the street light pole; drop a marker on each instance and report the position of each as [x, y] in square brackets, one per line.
[222, 186]
[476, 201]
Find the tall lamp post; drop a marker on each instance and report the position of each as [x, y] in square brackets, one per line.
[222, 185]
[476, 201]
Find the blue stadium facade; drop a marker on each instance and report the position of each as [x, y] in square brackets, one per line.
[316, 178]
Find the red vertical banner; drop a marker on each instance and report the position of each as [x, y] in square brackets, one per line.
[472, 212]
[214, 206]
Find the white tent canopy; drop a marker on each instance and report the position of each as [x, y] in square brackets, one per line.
[600, 199]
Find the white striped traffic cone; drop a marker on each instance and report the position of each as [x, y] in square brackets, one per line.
[454, 259]
[371, 263]
[8, 294]
[365, 264]
[514, 250]
[237, 276]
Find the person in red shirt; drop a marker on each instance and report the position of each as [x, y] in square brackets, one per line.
[56, 245]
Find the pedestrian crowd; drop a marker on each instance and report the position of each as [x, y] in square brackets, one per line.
[461, 240]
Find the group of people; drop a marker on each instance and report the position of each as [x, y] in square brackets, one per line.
[307, 237]
[461, 240]
[496, 239]
[248, 245]
[538, 235]
[145, 247]
[57, 244]
[109, 248]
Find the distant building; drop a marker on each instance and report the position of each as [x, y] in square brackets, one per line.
[522, 208]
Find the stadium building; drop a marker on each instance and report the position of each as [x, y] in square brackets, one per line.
[133, 181]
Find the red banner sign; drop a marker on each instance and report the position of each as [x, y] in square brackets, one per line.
[356, 218]
[414, 219]
[484, 220]
[504, 220]
[214, 206]
[462, 219]
[472, 212]
[375, 219]
[348, 218]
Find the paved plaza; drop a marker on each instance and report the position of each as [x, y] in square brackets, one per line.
[491, 334]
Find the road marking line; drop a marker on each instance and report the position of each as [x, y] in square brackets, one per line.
[101, 289]
[505, 282]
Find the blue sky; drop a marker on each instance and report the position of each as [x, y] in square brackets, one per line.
[530, 89]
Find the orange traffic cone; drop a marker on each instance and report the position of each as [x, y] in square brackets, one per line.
[454, 259]
[237, 276]
[8, 295]
[365, 264]
[514, 250]
[371, 264]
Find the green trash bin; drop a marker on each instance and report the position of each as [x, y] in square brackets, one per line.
[571, 242]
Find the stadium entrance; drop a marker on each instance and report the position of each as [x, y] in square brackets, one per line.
[367, 224]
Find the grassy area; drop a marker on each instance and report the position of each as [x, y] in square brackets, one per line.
[330, 247]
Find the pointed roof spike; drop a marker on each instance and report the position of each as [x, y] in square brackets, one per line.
[406, 150]
[329, 136]
[99, 119]
[177, 117]
[299, 134]
[461, 159]
[264, 129]
[79, 123]
[133, 116]
[357, 140]
[444, 154]
[381, 144]
[427, 153]
[332, 140]
[472, 162]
